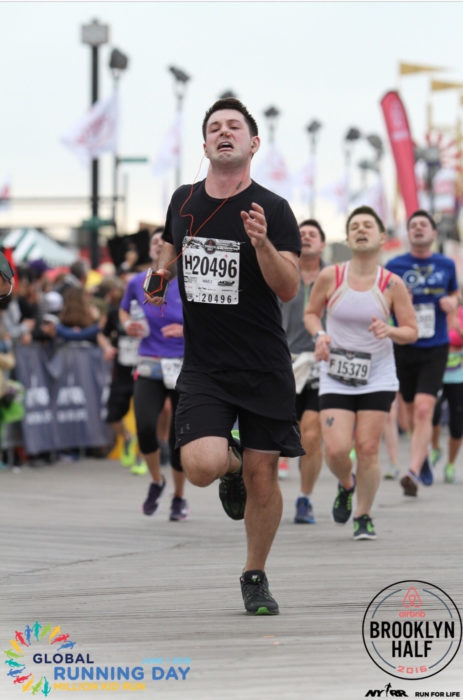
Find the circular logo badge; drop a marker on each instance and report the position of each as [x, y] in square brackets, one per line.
[210, 245]
[412, 630]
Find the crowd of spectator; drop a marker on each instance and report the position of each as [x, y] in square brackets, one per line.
[52, 307]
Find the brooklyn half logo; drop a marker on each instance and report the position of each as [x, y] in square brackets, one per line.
[412, 630]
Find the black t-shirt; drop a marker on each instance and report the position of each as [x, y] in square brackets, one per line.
[232, 318]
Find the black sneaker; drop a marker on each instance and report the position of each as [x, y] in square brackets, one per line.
[232, 491]
[178, 509]
[256, 595]
[342, 506]
[152, 500]
[363, 528]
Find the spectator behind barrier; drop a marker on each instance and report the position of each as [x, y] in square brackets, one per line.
[78, 318]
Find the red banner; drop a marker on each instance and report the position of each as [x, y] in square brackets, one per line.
[400, 139]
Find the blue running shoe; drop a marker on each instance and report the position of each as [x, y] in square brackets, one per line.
[304, 511]
[426, 476]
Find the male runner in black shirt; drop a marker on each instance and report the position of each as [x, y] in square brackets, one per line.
[235, 245]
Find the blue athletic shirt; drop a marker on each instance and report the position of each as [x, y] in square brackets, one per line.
[428, 279]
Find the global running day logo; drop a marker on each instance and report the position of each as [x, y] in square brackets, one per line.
[21, 675]
[412, 630]
[44, 645]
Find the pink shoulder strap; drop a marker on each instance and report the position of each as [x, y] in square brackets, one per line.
[339, 271]
[384, 279]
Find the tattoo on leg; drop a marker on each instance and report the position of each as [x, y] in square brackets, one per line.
[330, 421]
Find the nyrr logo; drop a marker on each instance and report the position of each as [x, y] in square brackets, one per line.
[386, 692]
[412, 630]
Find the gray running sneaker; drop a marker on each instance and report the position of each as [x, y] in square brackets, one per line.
[392, 473]
[178, 509]
[363, 528]
[256, 595]
[152, 500]
[342, 506]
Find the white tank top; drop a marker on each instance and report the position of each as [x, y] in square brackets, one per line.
[349, 313]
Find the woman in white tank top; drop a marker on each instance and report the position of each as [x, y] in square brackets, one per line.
[349, 315]
[358, 380]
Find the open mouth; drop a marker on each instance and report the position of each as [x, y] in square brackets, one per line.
[225, 146]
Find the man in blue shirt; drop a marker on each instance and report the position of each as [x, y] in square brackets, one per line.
[432, 282]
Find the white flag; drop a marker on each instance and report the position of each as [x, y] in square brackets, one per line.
[374, 197]
[444, 188]
[305, 178]
[421, 174]
[169, 152]
[337, 193]
[5, 195]
[271, 172]
[96, 132]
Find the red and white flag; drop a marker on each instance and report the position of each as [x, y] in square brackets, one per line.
[271, 172]
[421, 177]
[5, 195]
[96, 132]
[305, 179]
[169, 151]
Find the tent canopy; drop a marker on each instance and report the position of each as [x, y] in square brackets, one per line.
[29, 244]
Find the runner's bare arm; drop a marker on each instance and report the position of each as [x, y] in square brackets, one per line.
[165, 263]
[321, 292]
[406, 331]
[449, 303]
[280, 269]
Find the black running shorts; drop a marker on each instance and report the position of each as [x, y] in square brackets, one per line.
[307, 400]
[420, 370]
[376, 401]
[209, 405]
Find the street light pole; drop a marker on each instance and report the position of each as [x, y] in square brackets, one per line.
[272, 114]
[118, 62]
[94, 34]
[313, 129]
[180, 81]
[227, 93]
[353, 134]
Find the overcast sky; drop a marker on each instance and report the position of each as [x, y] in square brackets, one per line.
[327, 60]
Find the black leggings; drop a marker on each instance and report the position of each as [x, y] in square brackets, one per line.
[454, 395]
[148, 398]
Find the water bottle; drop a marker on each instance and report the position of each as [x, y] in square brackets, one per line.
[136, 314]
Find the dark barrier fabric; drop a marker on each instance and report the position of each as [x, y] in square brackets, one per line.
[66, 392]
